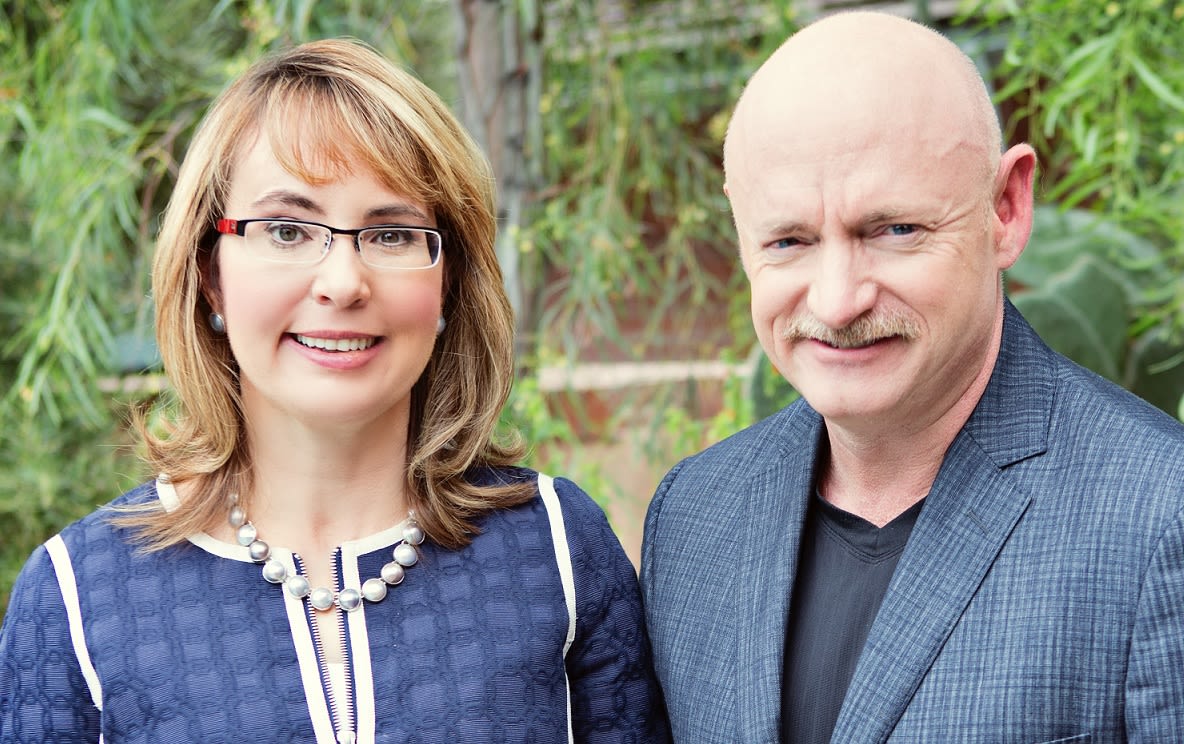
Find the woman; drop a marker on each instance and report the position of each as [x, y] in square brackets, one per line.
[336, 550]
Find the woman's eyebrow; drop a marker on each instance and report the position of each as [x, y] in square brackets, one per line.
[285, 198]
[397, 212]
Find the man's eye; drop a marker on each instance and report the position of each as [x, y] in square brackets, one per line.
[901, 229]
[785, 243]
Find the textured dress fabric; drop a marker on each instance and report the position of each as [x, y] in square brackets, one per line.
[103, 642]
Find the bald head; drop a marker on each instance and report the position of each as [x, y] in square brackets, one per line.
[847, 79]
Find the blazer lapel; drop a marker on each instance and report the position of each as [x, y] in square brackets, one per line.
[968, 516]
[768, 561]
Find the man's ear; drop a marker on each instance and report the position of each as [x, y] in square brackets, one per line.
[1012, 207]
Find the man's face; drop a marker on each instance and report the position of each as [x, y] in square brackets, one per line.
[869, 244]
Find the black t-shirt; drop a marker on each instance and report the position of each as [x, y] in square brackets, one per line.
[843, 571]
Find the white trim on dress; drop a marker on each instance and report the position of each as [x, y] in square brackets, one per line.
[64, 568]
[566, 574]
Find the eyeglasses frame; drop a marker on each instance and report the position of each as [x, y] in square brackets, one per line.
[227, 226]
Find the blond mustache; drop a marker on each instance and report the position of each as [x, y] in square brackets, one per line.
[864, 330]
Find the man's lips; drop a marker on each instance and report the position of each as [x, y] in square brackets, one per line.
[853, 344]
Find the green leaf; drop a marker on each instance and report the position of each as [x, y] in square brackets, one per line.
[1155, 369]
[768, 391]
[1082, 313]
[1161, 89]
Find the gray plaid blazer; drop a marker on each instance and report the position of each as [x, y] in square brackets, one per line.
[1040, 597]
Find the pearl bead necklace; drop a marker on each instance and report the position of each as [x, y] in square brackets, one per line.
[323, 598]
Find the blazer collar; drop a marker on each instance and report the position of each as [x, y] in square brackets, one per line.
[970, 512]
[1010, 422]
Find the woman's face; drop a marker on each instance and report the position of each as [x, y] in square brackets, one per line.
[334, 345]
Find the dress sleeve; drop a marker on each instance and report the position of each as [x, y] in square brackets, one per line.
[614, 694]
[1155, 678]
[43, 694]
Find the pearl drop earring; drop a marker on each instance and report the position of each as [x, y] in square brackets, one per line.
[218, 323]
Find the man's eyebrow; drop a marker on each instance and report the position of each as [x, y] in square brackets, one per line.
[783, 227]
[881, 216]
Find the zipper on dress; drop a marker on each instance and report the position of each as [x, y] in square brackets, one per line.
[346, 698]
[343, 734]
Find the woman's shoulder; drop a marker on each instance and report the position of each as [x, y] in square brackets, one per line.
[93, 538]
[97, 525]
[576, 506]
[141, 494]
[563, 516]
[562, 507]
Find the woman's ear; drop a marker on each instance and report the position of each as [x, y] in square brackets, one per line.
[211, 288]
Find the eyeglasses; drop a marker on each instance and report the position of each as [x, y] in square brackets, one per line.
[307, 243]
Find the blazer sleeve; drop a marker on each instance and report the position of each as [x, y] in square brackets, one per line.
[1155, 672]
[649, 541]
[614, 695]
[43, 694]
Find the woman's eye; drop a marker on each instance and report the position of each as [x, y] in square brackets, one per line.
[390, 238]
[286, 233]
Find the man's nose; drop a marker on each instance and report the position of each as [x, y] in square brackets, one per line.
[841, 288]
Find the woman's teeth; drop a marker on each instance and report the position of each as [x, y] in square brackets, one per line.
[336, 344]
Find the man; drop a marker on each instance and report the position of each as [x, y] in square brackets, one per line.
[958, 535]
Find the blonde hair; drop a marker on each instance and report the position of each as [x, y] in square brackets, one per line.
[355, 111]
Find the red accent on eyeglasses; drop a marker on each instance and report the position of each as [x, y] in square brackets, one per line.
[227, 227]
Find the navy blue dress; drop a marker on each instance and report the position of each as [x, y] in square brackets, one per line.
[102, 642]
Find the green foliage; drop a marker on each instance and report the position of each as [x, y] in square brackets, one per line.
[673, 425]
[767, 391]
[1100, 86]
[1080, 282]
[634, 110]
[1097, 87]
[631, 224]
